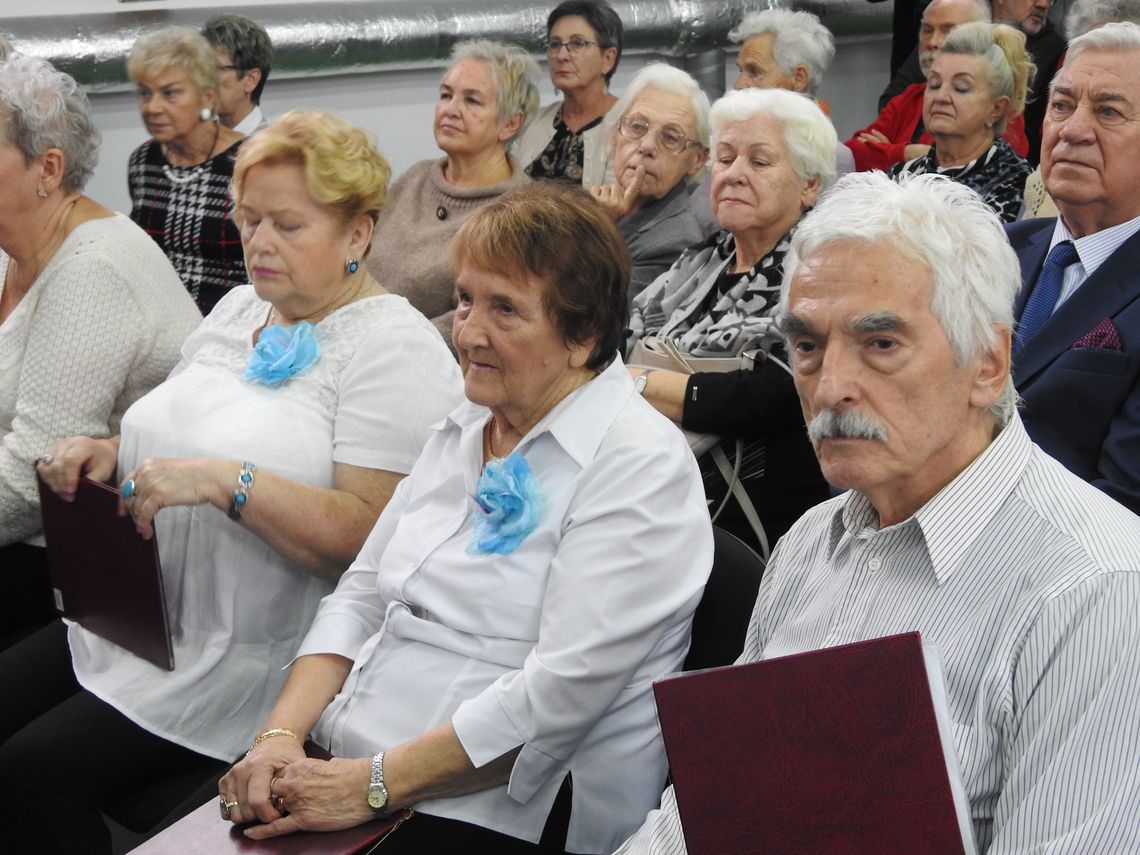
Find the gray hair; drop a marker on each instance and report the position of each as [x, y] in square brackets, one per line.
[808, 134]
[1122, 35]
[174, 47]
[798, 38]
[669, 79]
[943, 225]
[43, 108]
[982, 10]
[246, 42]
[5, 48]
[1086, 15]
[1009, 68]
[512, 69]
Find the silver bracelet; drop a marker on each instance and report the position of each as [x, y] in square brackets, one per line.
[241, 494]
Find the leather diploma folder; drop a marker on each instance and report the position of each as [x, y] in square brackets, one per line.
[105, 577]
[204, 832]
[842, 750]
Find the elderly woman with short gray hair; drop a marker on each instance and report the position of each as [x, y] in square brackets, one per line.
[773, 154]
[486, 98]
[91, 313]
[660, 139]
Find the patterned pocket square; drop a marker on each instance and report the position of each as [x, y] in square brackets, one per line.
[1104, 336]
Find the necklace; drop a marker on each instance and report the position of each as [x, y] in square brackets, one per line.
[187, 174]
[489, 442]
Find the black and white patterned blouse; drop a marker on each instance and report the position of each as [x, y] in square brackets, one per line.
[998, 176]
[186, 210]
[564, 155]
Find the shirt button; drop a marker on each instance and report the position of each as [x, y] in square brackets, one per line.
[875, 564]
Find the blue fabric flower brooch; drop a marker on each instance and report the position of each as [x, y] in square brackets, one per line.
[281, 353]
[510, 506]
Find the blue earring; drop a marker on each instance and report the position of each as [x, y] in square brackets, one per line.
[352, 266]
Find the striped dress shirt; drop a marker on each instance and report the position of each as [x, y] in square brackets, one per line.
[1028, 581]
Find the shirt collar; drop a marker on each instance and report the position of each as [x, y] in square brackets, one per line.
[577, 427]
[955, 515]
[1093, 250]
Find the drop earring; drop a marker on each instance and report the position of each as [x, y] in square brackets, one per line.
[352, 265]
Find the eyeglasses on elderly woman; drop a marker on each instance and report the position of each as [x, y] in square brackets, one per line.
[573, 46]
[669, 139]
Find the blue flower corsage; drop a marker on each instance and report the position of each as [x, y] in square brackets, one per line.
[281, 352]
[510, 506]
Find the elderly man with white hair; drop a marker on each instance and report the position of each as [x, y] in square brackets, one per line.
[898, 312]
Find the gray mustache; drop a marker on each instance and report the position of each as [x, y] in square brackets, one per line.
[845, 424]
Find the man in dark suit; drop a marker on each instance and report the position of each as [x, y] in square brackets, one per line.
[1077, 353]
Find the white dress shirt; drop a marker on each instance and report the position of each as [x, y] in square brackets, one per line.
[1092, 251]
[1028, 581]
[552, 647]
[254, 121]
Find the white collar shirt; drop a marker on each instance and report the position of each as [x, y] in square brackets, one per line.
[253, 121]
[1092, 251]
[1028, 581]
[552, 647]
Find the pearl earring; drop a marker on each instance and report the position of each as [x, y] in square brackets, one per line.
[206, 114]
[352, 266]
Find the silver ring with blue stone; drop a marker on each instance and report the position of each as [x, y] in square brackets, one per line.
[129, 489]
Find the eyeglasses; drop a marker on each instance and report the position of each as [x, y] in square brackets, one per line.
[670, 139]
[574, 46]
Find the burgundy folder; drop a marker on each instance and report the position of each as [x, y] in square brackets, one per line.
[840, 750]
[105, 576]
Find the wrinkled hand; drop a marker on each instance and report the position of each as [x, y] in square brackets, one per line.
[618, 202]
[161, 483]
[248, 781]
[76, 456]
[319, 795]
[873, 136]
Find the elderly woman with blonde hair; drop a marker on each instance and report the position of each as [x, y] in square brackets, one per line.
[976, 84]
[487, 96]
[179, 179]
[660, 140]
[263, 462]
[91, 313]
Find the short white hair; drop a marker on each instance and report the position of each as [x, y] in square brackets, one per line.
[1120, 35]
[43, 108]
[512, 69]
[808, 133]
[669, 79]
[798, 38]
[943, 225]
[982, 10]
[1087, 15]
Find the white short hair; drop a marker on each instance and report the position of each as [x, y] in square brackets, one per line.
[44, 108]
[1120, 35]
[798, 38]
[670, 79]
[513, 71]
[1087, 15]
[808, 133]
[943, 225]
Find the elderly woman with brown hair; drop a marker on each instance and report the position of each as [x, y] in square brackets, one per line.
[978, 81]
[773, 154]
[497, 637]
[91, 313]
[660, 140]
[264, 460]
[179, 179]
[485, 99]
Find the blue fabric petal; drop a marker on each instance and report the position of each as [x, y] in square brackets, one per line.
[282, 352]
[510, 504]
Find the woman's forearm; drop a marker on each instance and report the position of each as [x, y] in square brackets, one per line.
[434, 765]
[313, 682]
[665, 390]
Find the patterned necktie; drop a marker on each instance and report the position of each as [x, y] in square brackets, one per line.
[1045, 293]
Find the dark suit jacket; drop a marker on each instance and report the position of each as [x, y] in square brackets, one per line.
[1082, 405]
[657, 233]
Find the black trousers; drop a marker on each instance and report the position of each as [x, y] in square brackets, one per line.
[27, 603]
[66, 756]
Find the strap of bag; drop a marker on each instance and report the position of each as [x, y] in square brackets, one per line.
[731, 474]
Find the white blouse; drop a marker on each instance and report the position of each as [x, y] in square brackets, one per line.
[238, 609]
[552, 647]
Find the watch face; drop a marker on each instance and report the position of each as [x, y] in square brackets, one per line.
[377, 798]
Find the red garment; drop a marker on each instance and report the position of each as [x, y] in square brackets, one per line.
[897, 122]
